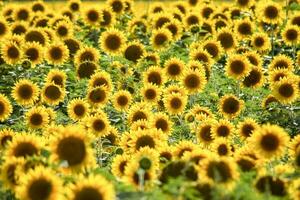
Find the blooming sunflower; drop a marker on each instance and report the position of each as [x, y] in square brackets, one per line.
[246, 127]
[230, 106]
[25, 92]
[58, 77]
[34, 52]
[244, 28]
[291, 35]
[139, 111]
[270, 12]
[222, 147]
[175, 103]
[281, 61]
[86, 53]
[86, 69]
[222, 128]
[161, 121]
[5, 108]
[194, 81]
[98, 124]
[78, 109]
[6, 135]
[52, 94]
[254, 79]
[11, 53]
[151, 93]
[134, 51]
[108, 17]
[4, 28]
[122, 100]
[174, 68]
[63, 29]
[154, 75]
[160, 38]
[37, 117]
[119, 164]
[98, 96]
[147, 138]
[237, 66]
[204, 132]
[91, 16]
[112, 41]
[57, 53]
[226, 38]
[286, 91]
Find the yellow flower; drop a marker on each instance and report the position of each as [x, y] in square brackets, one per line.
[25, 92]
[5, 108]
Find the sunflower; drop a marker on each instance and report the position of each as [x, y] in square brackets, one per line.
[207, 10]
[11, 53]
[22, 13]
[98, 96]
[52, 94]
[204, 132]
[119, 164]
[245, 4]
[281, 61]
[86, 69]
[5, 108]
[74, 5]
[151, 93]
[160, 19]
[222, 128]
[34, 52]
[161, 121]
[38, 6]
[94, 187]
[78, 109]
[118, 6]
[147, 158]
[112, 138]
[254, 79]
[57, 53]
[230, 106]
[154, 75]
[193, 3]
[156, 7]
[194, 81]
[91, 16]
[18, 28]
[175, 27]
[237, 66]
[24, 145]
[267, 183]
[294, 191]
[6, 135]
[108, 17]
[183, 147]
[122, 100]
[222, 147]
[25, 92]
[291, 35]
[277, 74]
[63, 29]
[41, 22]
[294, 145]
[286, 90]
[39, 183]
[196, 156]
[71, 145]
[174, 68]
[201, 56]
[269, 141]
[134, 51]
[226, 38]
[86, 53]
[246, 128]
[37, 117]
[98, 125]
[160, 38]
[244, 28]
[214, 48]
[175, 103]
[269, 99]
[4, 28]
[73, 45]
[58, 77]
[36, 35]
[222, 171]
[140, 125]
[139, 111]
[147, 138]
[112, 41]
[270, 12]
[200, 112]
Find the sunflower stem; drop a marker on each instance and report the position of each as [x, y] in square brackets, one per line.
[141, 174]
[272, 41]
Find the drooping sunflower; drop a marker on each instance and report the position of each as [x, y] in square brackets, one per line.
[57, 53]
[39, 183]
[254, 79]
[5, 108]
[122, 100]
[86, 53]
[237, 66]
[112, 41]
[222, 128]
[37, 117]
[151, 93]
[230, 106]
[52, 94]
[226, 38]
[98, 124]
[175, 103]
[108, 17]
[291, 35]
[34, 52]
[98, 96]
[58, 77]
[71, 145]
[25, 92]
[154, 75]
[24, 145]
[270, 12]
[11, 53]
[286, 90]
[161, 121]
[174, 68]
[86, 69]
[94, 187]
[119, 164]
[134, 51]
[63, 29]
[194, 81]
[269, 141]
[160, 38]
[78, 109]
[91, 16]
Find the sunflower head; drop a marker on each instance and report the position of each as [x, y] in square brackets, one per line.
[160, 38]
[112, 41]
[5, 108]
[230, 106]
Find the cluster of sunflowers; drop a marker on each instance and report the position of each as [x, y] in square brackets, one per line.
[111, 101]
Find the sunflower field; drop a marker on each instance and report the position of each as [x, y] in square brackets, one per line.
[150, 100]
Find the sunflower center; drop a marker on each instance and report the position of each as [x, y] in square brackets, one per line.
[174, 69]
[161, 124]
[161, 21]
[71, 149]
[296, 20]
[219, 171]
[145, 141]
[292, 34]
[231, 106]
[243, 2]
[62, 31]
[226, 40]
[247, 130]
[281, 64]
[122, 166]
[192, 81]
[212, 49]
[75, 6]
[56, 53]
[271, 12]
[106, 18]
[176, 103]
[23, 14]
[237, 67]
[13, 52]
[205, 133]
[223, 131]
[193, 2]
[245, 164]
[259, 41]
[25, 149]
[98, 125]
[122, 100]
[35, 36]
[5, 139]
[173, 29]
[40, 189]
[87, 56]
[97, 95]
[286, 90]
[275, 186]
[192, 20]
[52, 92]
[2, 29]
[79, 110]
[222, 150]
[270, 142]
[2, 108]
[245, 29]
[117, 6]
[18, 30]
[38, 7]
[139, 115]
[155, 78]
[150, 94]
[93, 15]
[160, 39]
[86, 69]
[25, 91]
[253, 78]
[72, 45]
[36, 119]
[206, 12]
[89, 193]
[113, 42]
[133, 53]
[32, 54]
